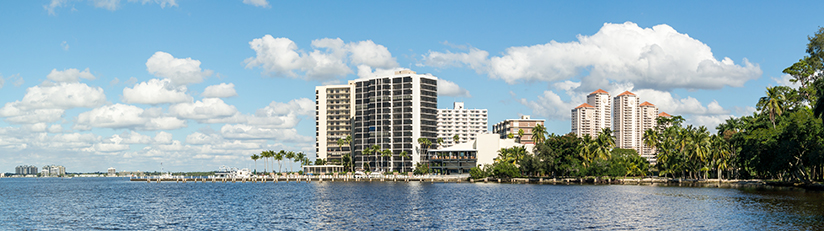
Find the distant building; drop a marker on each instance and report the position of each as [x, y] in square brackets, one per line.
[602, 115]
[647, 116]
[466, 123]
[511, 126]
[112, 172]
[625, 115]
[23, 170]
[53, 170]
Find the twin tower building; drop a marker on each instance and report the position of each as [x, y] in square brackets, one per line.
[624, 114]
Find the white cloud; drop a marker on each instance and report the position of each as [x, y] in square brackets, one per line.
[655, 58]
[121, 116]
[784, 80]
[70, 75]
[64, 45]
[111, 5]
[683, 106]
[371, 54]
[222, 90]
[179, 71]
[56, 128]
[208, 108]
[163, 138]
[448, 88]
[54, 4]
[162, 3]
[156, 91]
[550, 105]
[132, 137]
[47, 103]
[257, 3]
[327, 60]
[241, 131]
[200, 138]
[36, 127]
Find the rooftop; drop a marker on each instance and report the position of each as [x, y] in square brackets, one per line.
[664, 114]
[645, 103]
[584, 105]
[627, 93]
[599, 91]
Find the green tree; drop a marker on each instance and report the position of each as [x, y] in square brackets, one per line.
[302, 159]
[404, 155]
[255, 157]
[279, 157]
[520, 134]
[290, 155]
[264, 154]
[440, 142]
[385, 153]
[425, 143]
[456, 138]
[539, 134]
[773, 103]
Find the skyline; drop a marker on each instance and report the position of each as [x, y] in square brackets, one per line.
[196, 85]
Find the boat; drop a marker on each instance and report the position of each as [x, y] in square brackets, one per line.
[226, 172]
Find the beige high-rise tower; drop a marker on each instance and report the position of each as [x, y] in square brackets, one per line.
[602, 116]
[647, 115]
[625, 114]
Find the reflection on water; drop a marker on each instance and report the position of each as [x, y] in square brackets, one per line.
[83, 204]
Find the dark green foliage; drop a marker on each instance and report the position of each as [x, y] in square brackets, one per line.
[421, 169]
[479, 172]
[505, 170]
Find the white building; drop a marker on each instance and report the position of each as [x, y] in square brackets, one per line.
[583, 120]
[625, 116]
[390, 111]
[602, 115]
[647, 115]
[333, 118]
[112, 171]
[466, 123]
[458, 159]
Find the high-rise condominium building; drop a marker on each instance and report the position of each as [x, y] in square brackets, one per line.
[390, 112]
[602, 116]
[25, 170]
[583, 122]
[333, 121]
[512, 126]
[625, 116]
[647, 115]
[466, 123]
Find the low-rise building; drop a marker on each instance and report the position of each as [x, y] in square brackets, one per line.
[512, 126]
[465, 123]
[112, 171]
[458, 159]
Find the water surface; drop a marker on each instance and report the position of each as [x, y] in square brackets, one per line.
[118, 204]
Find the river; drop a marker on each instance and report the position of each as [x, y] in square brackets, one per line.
[118, 204]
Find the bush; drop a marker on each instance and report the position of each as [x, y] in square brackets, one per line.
[505, 170]
[478, 172]
[421, 169]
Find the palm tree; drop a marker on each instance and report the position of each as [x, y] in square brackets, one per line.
[290, 155]
[279, 157]
[586, 150]
[456, 138]
[340, 146]
[365, 151]
[302, 157]
[605, 142]
[425, 143]
[440, 142]
[520, 134]
[351, 159]
[539, 134]
[385, 153]
[375, 149]
[773, 103]
[255, 157]
[264, 154]
[510, 136]
[404, 154]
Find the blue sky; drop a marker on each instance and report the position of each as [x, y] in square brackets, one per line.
[144, 98]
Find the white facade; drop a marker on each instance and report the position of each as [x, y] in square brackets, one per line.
[625, 114]
[112, 172]
[647, 115]
[333, 120]
[466, 123]
[602, 115]
[583, 120]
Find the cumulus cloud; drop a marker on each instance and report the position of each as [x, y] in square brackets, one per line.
[179, 71]
[156, 91]
[56, 128]
[53, 5]
[70, 75]
[655, 58]
[448, 88]
[201, 138]
[111, 5]
[122, 116]
[47, 102]
[222, 90]
[242, 131]
[208, 108]
[784, 80]
[327, 60]
[257, 3]
[274, 115]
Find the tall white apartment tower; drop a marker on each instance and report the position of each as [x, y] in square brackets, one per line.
[647, 115]
[583, 119]
[466, 123]
[333, 121]
[392, 112]
[625, 117]
[602, 116]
